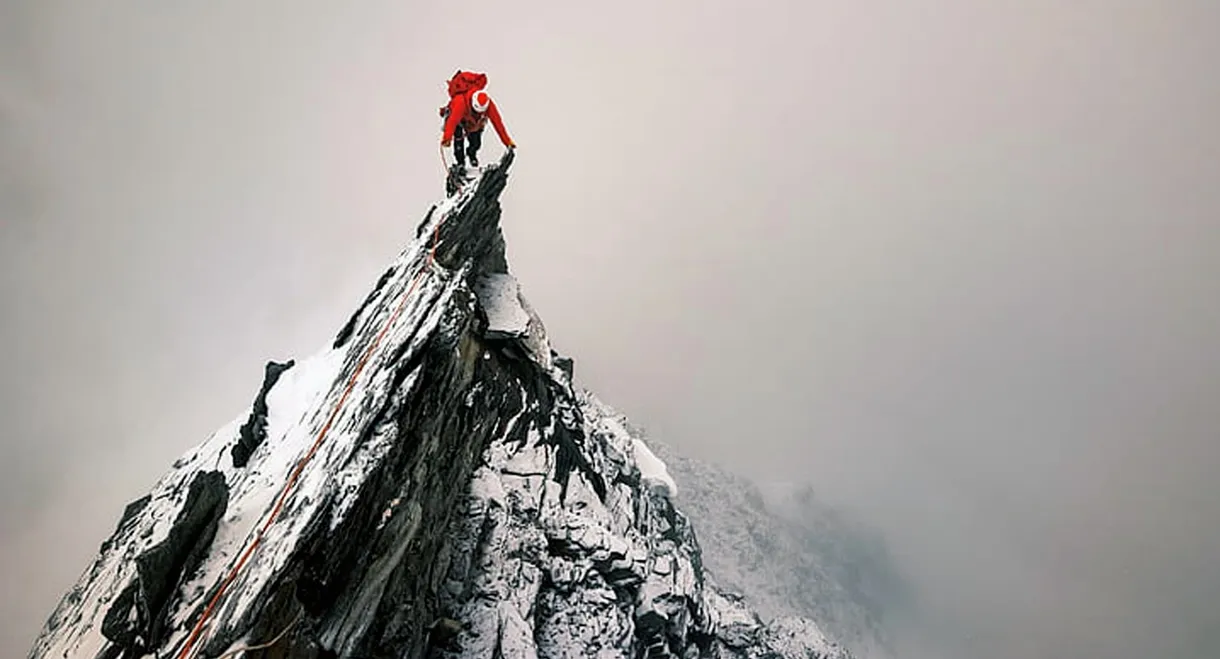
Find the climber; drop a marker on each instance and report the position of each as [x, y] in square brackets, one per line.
[466, 115]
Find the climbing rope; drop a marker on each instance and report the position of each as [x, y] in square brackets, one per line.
[300, 466]
[264, 646]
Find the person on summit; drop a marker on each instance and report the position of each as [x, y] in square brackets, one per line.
[466, 115]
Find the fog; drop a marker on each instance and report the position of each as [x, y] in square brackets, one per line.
[954, 263]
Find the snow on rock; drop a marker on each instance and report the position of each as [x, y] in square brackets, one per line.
[791, 636]
[652, 470]
[498, 295]
[739, 626]
[449, 493]
[787, 552]
[539, 570]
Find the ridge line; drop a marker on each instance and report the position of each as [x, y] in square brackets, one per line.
[197, 630]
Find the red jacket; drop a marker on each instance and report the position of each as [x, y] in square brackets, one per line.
[460, 111]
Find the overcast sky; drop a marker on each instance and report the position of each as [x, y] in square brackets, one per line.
[953, 262]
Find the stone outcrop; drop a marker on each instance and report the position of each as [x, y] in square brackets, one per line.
[254, 430]
[432, 484]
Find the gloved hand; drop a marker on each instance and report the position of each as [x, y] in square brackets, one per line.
[444, 110]
[446, 143]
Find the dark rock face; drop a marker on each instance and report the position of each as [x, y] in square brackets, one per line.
[130, 514]
[376, 599]
[136, 620]
[540, 570]
[431, 485]
[254, 430]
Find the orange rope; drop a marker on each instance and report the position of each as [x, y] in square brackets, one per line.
[207, 612]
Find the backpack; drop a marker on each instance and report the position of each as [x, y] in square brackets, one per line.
[466, 81]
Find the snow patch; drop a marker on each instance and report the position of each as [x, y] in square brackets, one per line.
[498, 293]
[652, 470]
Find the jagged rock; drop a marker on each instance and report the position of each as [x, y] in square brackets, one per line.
[421, 488]
[791, 636]
[788, 553]
[254, 430]
[564, 364]
[130, 513]
[135, 620]
[535, 340]
[738, 627]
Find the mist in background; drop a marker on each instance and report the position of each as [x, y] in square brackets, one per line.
[953, 263]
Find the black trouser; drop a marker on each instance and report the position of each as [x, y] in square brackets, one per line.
[472, 149]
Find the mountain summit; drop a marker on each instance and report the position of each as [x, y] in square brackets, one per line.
[431, 484]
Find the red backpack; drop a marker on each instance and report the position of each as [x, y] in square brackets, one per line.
[466, 81]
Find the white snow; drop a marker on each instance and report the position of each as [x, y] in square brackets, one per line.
[499, 295]
[513, 494]
[299, 405]
[652, 470]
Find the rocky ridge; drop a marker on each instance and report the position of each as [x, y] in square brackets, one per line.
[431, 484]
